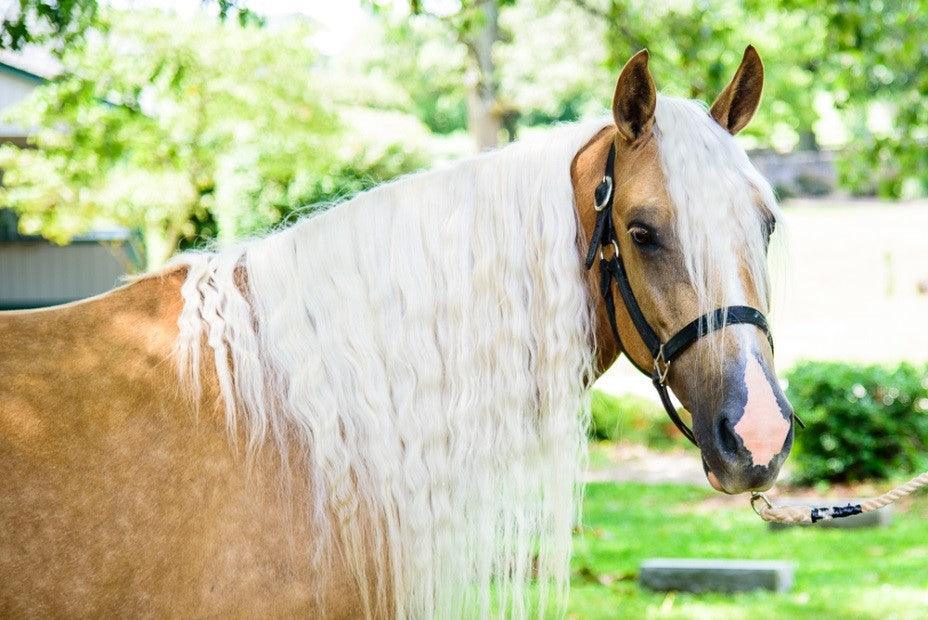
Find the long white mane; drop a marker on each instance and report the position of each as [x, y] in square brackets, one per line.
[428, 344]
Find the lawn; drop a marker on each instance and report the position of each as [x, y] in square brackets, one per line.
[871, 573]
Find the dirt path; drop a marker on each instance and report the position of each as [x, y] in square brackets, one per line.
[631, 463]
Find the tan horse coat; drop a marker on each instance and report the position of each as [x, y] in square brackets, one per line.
[117, 497]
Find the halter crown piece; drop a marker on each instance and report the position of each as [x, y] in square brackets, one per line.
[612, 269]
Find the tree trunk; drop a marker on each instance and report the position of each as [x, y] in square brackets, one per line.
[483, 119]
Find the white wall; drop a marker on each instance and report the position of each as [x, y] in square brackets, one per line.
[13, 89]
[38, 273]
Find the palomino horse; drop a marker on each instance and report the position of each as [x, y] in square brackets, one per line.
[379, 410]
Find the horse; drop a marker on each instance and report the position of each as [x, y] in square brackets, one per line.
[381, 410]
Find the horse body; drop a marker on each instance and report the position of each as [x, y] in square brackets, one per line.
[379, 411]
[118, 497]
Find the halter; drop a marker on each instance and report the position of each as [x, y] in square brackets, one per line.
[613, 269]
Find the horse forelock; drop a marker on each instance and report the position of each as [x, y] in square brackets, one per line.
[721, 202]
[428, 344]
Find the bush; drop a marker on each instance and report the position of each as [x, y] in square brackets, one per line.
[862, 422]
[632, 419]
[813, 185]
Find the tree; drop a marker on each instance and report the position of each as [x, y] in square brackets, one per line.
[494, 73]
[874, 61]
[480, 33]
[475, 27]
[63, 22]
[696, 46]
[555, 60]
[153, 128]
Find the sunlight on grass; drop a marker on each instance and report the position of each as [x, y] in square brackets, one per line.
[875, 573]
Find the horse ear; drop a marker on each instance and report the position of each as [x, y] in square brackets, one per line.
[738, 102]
[634, 99]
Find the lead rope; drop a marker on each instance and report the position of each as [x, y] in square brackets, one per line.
[810, 514]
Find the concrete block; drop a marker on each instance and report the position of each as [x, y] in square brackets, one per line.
[688, 575]
[878, 518]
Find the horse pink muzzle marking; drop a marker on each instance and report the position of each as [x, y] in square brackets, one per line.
[762, 427]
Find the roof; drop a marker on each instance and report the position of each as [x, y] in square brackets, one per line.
[33, 63]
[21, 73]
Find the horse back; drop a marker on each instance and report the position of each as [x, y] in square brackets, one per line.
[120, 494]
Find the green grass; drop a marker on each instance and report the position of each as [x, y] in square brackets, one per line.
[870, 573]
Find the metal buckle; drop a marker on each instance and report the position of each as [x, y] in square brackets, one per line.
[615, 249]
[661, 366]
[756, 496]
[599, 205]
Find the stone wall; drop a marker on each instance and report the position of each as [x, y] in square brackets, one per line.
[801, 173]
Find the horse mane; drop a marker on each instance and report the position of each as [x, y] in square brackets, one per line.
[427, 345]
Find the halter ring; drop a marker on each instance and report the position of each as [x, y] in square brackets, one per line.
[605, 187]
[756, 496]
[615, 249]
[661, 366]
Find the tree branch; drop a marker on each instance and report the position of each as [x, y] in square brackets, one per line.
[611, 20]
[591, 10]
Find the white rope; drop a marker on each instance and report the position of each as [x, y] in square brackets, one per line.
[812, 514]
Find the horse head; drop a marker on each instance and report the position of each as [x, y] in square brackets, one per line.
[691, 220]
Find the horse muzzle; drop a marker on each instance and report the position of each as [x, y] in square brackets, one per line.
[751, 436]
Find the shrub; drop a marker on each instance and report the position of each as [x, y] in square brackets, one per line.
[862, 422]
[631, 418]
[813, 185]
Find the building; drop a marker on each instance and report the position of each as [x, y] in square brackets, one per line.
[33, 271]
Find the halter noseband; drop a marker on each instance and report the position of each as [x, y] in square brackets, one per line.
[613, 269]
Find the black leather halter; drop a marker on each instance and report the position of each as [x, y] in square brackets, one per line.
[613, 269]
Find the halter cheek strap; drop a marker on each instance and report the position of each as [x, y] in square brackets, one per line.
[612, 270]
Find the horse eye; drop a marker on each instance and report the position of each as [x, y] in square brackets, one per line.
[641, 235]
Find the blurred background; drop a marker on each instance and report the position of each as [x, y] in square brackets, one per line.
[130, 130]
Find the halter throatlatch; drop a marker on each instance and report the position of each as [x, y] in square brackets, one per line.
[612, 269]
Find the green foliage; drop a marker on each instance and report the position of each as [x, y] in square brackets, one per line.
[64, 22]
[631, 418]
[696, 47]
[536, 68]
[874, 63]
[862, 422]
[153, 127]
[428, 67]
[38, 21]
[880, 67]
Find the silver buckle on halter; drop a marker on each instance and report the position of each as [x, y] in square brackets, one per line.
[615, 249]
[661, 366]
[600, 205]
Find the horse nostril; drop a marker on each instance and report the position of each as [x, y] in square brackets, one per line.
[728, 443]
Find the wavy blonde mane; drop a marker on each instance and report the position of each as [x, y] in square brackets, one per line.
[427, 345]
